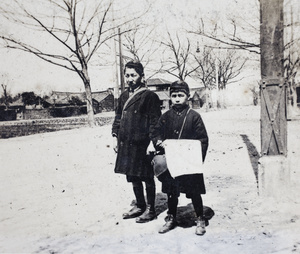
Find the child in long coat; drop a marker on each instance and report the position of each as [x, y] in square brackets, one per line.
[169, 127]
[137, 112]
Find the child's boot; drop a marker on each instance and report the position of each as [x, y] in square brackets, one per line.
[170, 224]
[200, 228]
[148, 215]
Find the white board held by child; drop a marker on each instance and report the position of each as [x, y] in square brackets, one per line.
[183, 156]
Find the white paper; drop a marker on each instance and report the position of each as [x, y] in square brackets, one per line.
[184, 156]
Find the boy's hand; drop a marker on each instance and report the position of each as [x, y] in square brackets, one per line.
[160, 144]
[115, 144]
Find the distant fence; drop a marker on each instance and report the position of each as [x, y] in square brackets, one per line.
[29, 127]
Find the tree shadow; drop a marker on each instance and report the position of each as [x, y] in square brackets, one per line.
[253, 154]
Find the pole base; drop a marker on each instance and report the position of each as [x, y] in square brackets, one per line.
[274, 176]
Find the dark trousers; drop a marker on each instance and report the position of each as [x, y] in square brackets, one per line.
[171, 187]
[196, 200]
[139, 192]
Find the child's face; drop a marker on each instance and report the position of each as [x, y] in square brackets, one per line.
[179, 98]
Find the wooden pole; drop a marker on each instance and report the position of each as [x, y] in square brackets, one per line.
[273, 170]
[121, 63]
[273, 91]
[115, 77]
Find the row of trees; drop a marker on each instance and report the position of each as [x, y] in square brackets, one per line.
[27, 98]
[80, 33]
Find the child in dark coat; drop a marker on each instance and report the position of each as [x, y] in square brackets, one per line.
[169, 127]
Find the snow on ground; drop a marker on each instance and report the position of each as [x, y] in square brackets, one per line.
[59, 194]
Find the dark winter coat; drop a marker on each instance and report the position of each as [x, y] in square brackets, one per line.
[168, 127]
[133, 126]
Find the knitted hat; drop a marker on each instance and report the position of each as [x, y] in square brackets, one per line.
[179, 86]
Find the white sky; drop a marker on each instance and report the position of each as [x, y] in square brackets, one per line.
[25, 72]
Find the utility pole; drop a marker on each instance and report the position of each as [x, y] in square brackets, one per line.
[115, 79]
[121, 63]
[273, 166]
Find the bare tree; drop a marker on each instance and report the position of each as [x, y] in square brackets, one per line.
[178, 62]
[6, 98]
[235, 36]
[140, 44]
[232, 35]
[217, 70]
[291, 67]
[206, 71]
[291, 52]
[229, 67]
[79, 28]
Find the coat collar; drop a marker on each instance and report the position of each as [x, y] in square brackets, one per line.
[180, 110]
[134, 97]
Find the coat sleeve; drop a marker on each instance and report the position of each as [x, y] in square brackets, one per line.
[117, 120]
[158, 133]
[154, 113]
[201, 135]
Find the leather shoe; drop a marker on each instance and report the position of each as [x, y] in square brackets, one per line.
[171, 223]
[134, 212]
[148, 215]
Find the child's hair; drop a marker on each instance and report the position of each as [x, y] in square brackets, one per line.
[137, 66]
[180, 86]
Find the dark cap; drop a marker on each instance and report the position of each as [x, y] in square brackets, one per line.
[137, 66]
[180, 86]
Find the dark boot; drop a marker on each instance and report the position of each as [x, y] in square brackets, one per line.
[139, 196]
[140, 206]
[150, 213]
[134, 212]
[171, 223]
[147, 216]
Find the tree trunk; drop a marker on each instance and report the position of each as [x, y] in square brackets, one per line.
[89, 105]
[294, 95]
[89, 99]
[206, 99]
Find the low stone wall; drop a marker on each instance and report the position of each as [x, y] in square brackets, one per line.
[28, 127]
[30, 114]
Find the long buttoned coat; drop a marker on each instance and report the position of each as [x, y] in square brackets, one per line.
[168, 127]
[133, 126]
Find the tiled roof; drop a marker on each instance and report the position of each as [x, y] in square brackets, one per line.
[18, 102]
[157, 81]
[64, 97]
[99, 96]
[163, 95]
